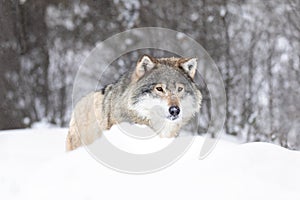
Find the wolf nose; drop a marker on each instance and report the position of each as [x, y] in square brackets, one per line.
[174, 110]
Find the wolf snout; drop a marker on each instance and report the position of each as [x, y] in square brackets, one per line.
[174, 111]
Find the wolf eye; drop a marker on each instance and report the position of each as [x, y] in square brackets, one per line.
[159, 89]
[180, 89]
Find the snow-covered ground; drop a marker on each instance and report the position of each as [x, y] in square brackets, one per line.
[35, 166]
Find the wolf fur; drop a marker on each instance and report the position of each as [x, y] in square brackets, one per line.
[159, 93]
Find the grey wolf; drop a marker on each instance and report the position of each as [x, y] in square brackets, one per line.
[159, 92]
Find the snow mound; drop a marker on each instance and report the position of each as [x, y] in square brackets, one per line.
[34, 166]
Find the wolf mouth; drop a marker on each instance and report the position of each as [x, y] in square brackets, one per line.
[172, 118]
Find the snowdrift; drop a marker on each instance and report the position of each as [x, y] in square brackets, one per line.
[35, 166]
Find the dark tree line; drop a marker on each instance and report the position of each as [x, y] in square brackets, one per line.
[255, 44]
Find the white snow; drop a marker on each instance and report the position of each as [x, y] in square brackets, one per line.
[194, 16]
[223, 11]
[22, 2]
[35, 166]
[210, 18]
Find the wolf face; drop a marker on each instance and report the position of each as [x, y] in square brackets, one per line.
[164, 93]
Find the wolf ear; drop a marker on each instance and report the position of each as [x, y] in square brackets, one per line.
[190, 67]
[145, 63]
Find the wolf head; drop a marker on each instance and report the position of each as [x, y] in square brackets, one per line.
[164, 91]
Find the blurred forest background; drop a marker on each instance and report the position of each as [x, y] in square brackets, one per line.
[255, 44]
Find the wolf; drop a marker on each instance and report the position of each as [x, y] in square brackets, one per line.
[159, 92]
